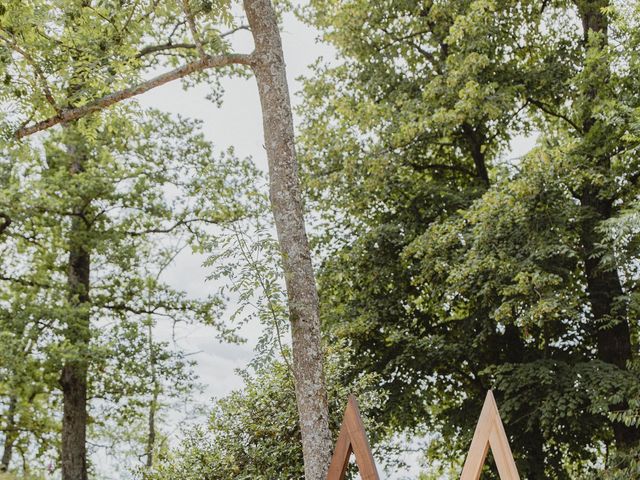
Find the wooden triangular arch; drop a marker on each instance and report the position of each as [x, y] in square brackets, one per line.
[490, 433]
[352, 439]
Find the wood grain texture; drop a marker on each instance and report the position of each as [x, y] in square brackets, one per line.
[490, 433]
[352, 439]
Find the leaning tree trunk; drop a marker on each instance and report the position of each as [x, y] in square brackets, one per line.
[77, 334]
[286, 203]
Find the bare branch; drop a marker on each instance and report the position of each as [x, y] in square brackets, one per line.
[192, 26]
[24, 281]
[180, 223]
[188, 46]
[165, 46]
[547, 109]
[234, 30]
[175, 29]
[71, 114]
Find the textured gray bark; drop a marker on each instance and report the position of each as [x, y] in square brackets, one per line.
[269, 68]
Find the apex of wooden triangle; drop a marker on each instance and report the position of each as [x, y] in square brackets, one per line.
[490, 433]
[490, 401]
[352, 439]
[353, 408]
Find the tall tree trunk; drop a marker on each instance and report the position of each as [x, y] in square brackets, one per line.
[74, 372]
[613, 335]
[476, 143]
[10, 435]
[603, 288]
[151, 434]
[153, 405]
[286, 203]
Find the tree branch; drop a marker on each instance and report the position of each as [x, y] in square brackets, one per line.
[123, 307]
[6, 221]
[23, 281]
[180, 223]
[165, 46]
[175, 29]
[191, 22]
[71, 114]
[441, 166]
[36, 68]
[176, 46]
[545, 108]
[234, 30]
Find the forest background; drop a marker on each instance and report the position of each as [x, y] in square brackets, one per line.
[452, 256]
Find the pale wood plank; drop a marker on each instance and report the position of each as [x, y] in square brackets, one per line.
[490, 433]
[341, 454]
[352, 439]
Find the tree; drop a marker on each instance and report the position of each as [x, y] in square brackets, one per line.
[88, 212]
[449, 269]
[118, 59]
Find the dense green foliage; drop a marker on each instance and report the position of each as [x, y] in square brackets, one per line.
[252, 433]
[90, 217]
[449, 267]
[65, 63]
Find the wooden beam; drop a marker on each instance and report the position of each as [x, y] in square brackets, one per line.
[352, 439]
[490, 433]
